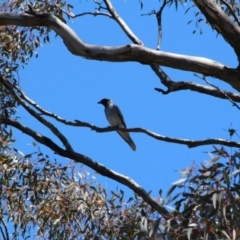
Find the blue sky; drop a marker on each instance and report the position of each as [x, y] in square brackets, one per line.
[71, 86]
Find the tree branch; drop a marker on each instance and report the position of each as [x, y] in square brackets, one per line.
[77, 157]
[219, 90]
[91, 13]
[159, 22]
[229, 7]
[221, 22]
[97, 12]
[183, 85]
[55, 131]
[77, 123]
[5, 234]
[187, 142]
[131, 52]
[175, 86]
[121, 23]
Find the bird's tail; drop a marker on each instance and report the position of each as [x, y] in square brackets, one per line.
[132, 144]
[126, 137]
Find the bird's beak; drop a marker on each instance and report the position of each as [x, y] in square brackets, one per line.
[100, 102]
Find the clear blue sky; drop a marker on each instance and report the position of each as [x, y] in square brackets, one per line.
[71, 86]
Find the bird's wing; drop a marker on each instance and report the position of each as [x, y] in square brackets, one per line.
[126, 137]
[116, 118]
[119, 114]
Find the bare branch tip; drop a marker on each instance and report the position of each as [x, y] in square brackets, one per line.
[162, 91]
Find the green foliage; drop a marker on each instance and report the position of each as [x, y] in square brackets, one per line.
[64, 202]
[61, 202]
[208, 207]
[19, 44]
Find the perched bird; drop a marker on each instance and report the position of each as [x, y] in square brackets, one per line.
[115, 118]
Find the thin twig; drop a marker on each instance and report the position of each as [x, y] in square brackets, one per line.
[227, 97]
[96, 13]
[6, 237]
[92, 13]
[5, 228]
[227, 4]
[72, 15]
[153, 12]
[159, 22]
[121, 23]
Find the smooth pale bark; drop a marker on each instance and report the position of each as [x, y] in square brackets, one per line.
[131, 52]
[221, 22]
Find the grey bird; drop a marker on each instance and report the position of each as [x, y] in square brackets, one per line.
[115, 118]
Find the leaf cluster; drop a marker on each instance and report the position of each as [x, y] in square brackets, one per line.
[19, 44]
[208, 207]
[51, 201]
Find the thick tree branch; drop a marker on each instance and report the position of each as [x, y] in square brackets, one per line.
[176, 86]
[77, 157]
[221, 22]
[171, 85]
[130, 52]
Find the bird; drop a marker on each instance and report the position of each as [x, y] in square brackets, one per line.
[115, 118]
